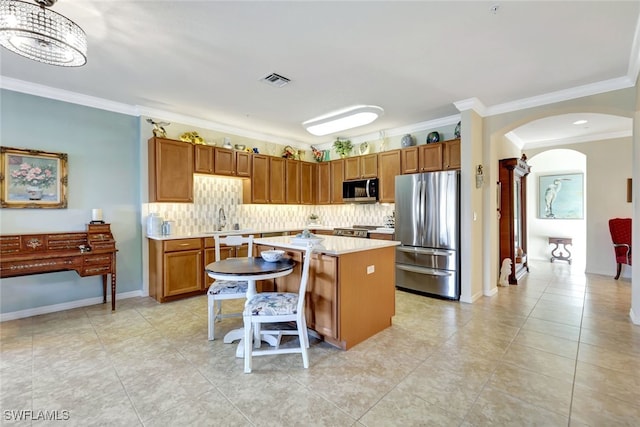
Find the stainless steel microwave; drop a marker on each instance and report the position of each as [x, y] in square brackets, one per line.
[360, 191]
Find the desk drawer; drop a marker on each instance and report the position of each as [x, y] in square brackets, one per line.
[94, 270]
[32, 266]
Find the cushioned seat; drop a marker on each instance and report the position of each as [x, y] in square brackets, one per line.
[226, 289]
[620, 229]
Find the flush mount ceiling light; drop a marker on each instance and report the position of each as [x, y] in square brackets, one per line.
[35, 32]
[580, 122]
[347, 118]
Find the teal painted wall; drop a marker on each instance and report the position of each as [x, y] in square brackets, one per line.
[103, 166]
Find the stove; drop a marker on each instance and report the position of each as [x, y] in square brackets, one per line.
[361, 231]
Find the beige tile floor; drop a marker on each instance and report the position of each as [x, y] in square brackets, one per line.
[557, 350]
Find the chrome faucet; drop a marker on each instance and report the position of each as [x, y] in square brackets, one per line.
[222, 219]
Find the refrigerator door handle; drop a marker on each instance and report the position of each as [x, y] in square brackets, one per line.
[426, 251]
[424, 270]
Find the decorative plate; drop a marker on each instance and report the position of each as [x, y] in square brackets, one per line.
[364, 148]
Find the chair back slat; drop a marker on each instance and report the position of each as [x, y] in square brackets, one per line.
[233, 240]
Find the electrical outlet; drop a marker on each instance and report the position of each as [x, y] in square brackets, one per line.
[371, 269]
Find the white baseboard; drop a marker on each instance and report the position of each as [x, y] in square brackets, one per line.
[634, 318]
[64, 306]
[491, 292]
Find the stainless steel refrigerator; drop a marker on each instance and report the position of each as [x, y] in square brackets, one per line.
[428, 225]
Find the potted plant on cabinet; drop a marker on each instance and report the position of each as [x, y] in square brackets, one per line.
[343, 147]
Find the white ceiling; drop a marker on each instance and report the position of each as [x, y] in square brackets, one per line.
[204, 60]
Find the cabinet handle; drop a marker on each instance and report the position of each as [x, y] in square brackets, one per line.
[184, 244]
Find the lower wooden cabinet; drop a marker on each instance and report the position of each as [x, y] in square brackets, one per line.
[175, 268]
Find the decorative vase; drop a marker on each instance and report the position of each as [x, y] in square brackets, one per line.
[34, 193]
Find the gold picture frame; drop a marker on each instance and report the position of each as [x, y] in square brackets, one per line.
[32, 179]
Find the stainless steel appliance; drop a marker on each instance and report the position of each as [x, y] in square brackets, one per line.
[355, 231]
[360, 191]
[428, 225]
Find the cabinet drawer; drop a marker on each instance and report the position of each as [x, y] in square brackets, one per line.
[92, 270]
[182, 245]
[102, 259]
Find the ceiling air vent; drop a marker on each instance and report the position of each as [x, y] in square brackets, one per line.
[276, 80]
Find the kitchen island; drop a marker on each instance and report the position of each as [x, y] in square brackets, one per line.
[351, 290]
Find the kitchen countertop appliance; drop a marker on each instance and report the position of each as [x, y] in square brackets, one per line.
[428, 225]
[355, 231]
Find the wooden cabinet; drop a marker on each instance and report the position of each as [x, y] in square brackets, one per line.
[175, 268]
[336, 168]
[380, 236]
[361, 167]
[277, 173]
[203, 159]
[225, 252]
[256, 189]
[292, 181]
[170, 171]
[431, 157]
[451, 154]
[389, 163]
[323, 183]
[307, 183]
[513, 215]
[232, 163]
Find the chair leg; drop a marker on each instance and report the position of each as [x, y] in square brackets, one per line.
[247, 344]
[304, 343]
[618, 272]
[211, 316]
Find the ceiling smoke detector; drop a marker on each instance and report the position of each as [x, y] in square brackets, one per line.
[276, 80]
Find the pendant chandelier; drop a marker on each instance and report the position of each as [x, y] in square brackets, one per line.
[37, 33]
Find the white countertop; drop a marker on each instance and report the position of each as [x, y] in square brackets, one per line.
[256, 231]
[330, 245]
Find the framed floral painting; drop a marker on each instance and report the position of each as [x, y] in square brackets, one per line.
[32, 179]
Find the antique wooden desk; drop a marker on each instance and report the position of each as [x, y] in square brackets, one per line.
[91, 253]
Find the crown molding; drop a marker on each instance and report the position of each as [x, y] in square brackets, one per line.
[471, 104]
[569, 141]
[562, 95]
[66, 96]
[220, 127]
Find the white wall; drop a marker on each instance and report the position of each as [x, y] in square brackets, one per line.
[553, 162]
[608, 165]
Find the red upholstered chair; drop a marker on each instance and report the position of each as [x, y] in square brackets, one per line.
[620, 229]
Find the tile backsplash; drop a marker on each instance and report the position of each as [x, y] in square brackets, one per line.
[213, 192]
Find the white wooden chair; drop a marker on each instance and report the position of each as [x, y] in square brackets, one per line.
[277, 307]
[226, 289]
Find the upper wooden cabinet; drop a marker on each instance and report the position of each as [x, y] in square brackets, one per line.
[451, 154]
[389, 166]
[203, 159]
[323, 183]
[256, 189]
[170, 171]
[336, 174]
[361, 167]
[277, 173]
[232, 163]
[307, 183]
[431, 157]
[292, 181]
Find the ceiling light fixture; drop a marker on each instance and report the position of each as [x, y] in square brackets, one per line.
[35, 32]
[580, 122]
[347, 118]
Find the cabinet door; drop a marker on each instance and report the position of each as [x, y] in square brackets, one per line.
[170, 171]
[292, 181]
[337, 177]
[389, 162]
[256, 189]
[430, 157]
[307, 193]
[277, 171]
[243, 164]
[410, 161]
[203, 159]
[369, 166]
[323, 183]
[352, 168]
[451, 155]
[322, 299]
[224, 161]
[182, 272]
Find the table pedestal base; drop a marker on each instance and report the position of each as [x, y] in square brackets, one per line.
[556, 252]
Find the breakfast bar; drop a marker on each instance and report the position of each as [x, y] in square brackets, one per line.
[351, 291]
